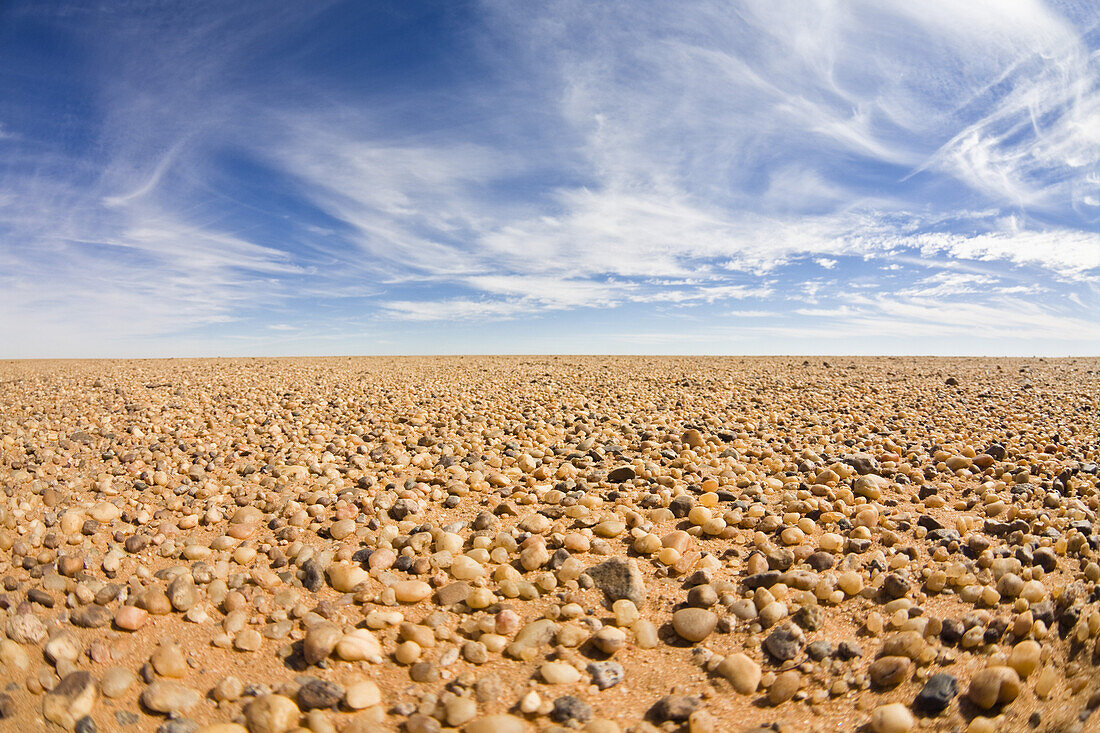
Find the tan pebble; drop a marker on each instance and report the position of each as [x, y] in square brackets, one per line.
[271, 714]
[694, 624]
[460, 710]
[742, 672]
[358, 646]
[130, 618]
[645, 634]
[411, 591]
[784, 687]
[981, 725]
[346, 578]
[994, 685]
[559, 673]
[497, 724]
[892, 718]
[362, 695]
[1045, 682]
[1025, 657]
[169, 661]
[116, 682]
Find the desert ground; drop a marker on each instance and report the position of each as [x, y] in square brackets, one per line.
[604, 544]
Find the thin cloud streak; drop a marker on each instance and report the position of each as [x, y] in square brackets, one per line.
[653, 161]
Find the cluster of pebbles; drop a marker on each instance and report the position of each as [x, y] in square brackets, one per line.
[599, 544]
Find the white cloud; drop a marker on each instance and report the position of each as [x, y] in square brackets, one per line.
[654, 157]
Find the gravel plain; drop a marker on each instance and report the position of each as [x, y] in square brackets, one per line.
[495, 544]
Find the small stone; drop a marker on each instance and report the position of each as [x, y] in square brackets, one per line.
[72, 699]
[248, 640]
[784, 687]
[90, 617]
[621, 474]
[62, 647]
[741, 672]
[167, 697]
[182, 593]
[497, 724]
[168, 660]
[453, 593]
[313, 577]
[559, 673]
[937, 693]
[228, 689]
[619, 578]
[130, 618]
[411, 591]
[605, 674]
[358, 646]
[892, 718]
[362, 695]
[694, 624]
[819, 650]
[320, 641]
[994, 685]
[271, 714]
[889, 672]
[460, 710]
[342, 528]
[785, 643]
[532, 636]
[178, 725]
[609, 639]
[645, 634]
[570, 710]
[809, 617]
[676, 708]
[1025, 657]
[116, 682]
[345, 577]
[319, 694]
[26, 628]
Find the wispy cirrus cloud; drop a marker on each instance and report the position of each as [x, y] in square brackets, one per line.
[201, 172]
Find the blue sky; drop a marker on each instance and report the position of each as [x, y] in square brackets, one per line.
[211, 178]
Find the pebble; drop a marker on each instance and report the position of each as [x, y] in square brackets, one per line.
[116, 682]
[362, 695]
[497, 724]
[937, 693]
[892, 718]
[995, 685]
[784, 687]
[168, 697]
[319, 694]
[675, 708]
[559, 673]
[742, 672]
[320, 641]
[130, 618]
[606, 674]
[26, 628]
[694, 624]
[889, 672]
[271, 714]
[359, 645]
[785, 642]
[169, 661]
[73, 698]
[619, 579]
